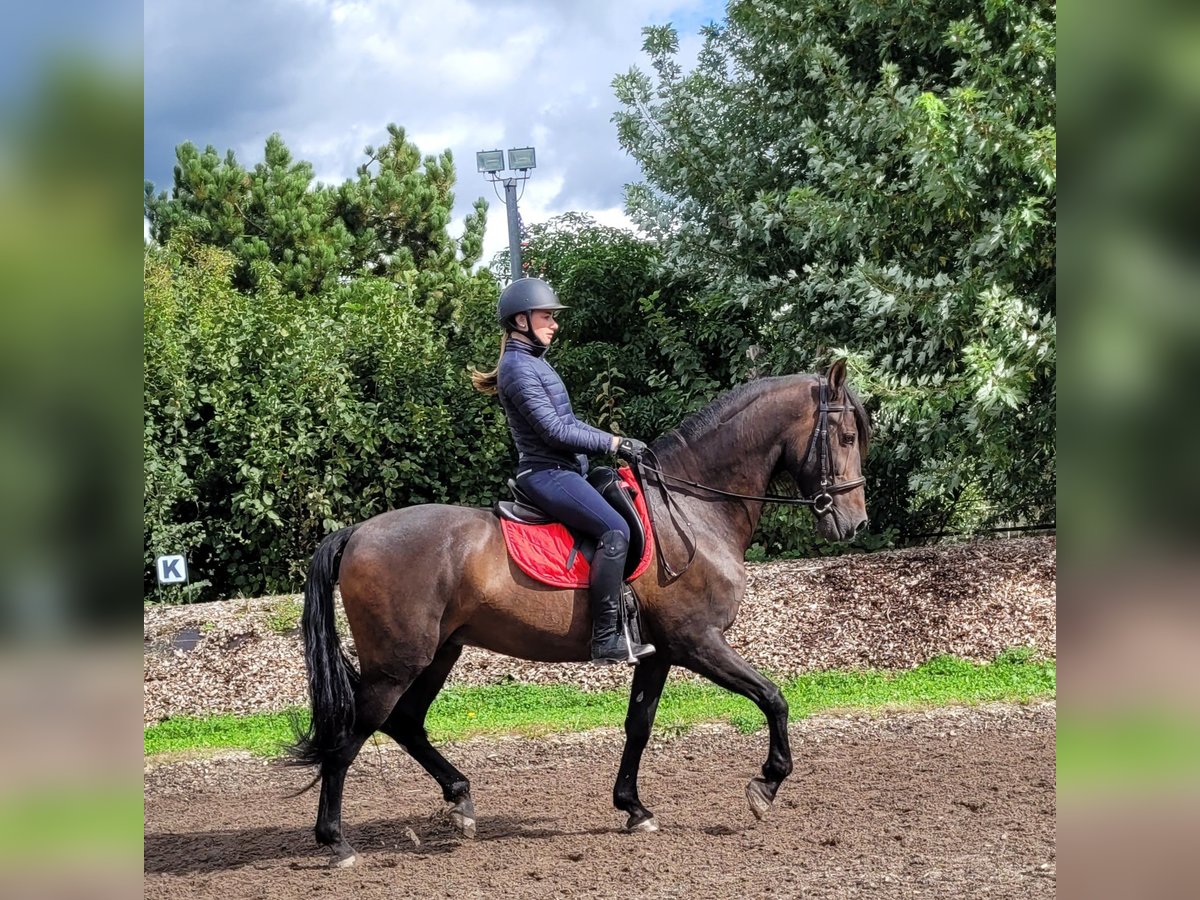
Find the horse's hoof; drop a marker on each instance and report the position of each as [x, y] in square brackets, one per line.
[462, 817]
[647, 824]
[464, 825]
[758, 797]
[343, 856]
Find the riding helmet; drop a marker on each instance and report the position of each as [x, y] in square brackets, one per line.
[523, 295]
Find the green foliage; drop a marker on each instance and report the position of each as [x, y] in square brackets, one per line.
[285, 614]
[542, 709]
[305, 359]
[877, 181]
[789, 532]
[264, 734]
[270, 420]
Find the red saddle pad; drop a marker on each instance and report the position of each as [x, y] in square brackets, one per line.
[541, 551]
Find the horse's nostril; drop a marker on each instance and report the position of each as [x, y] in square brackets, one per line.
[860, 527]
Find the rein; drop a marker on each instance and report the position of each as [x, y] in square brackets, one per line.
[821, 502]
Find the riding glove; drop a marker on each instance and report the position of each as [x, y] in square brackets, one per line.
[630, 449]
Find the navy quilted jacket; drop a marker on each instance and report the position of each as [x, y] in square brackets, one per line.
[535, 400]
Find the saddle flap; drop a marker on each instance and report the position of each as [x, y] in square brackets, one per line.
[619, 495]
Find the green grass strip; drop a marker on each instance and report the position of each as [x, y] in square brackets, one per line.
[542, 709]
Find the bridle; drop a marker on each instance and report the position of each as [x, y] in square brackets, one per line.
[822, 502]
[818, 444]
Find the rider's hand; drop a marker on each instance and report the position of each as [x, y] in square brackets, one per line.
[630, 449]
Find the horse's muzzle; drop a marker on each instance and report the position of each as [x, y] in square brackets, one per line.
[836, 525]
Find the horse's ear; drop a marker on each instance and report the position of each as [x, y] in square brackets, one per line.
[836, 378]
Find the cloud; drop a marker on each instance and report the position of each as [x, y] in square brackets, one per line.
[463, 75]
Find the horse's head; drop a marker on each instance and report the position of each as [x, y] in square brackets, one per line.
[826, 458]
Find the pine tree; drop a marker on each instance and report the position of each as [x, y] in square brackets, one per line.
[391, 219]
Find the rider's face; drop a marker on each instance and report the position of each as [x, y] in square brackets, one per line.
[544, 325]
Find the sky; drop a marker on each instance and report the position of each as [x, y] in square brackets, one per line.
[463, 75]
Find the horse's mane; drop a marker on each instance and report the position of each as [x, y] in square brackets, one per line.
[708, 417]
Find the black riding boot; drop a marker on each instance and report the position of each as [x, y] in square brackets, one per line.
[609, 639]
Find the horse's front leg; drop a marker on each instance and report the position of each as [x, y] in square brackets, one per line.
[713, 658]
[648, 680]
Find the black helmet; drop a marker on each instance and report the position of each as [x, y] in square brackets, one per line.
[523, 295]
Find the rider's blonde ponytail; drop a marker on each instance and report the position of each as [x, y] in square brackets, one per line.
[486, 381]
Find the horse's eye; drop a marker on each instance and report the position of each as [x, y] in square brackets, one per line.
[848, 438]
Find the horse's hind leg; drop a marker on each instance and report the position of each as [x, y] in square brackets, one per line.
[713, 658]
[406, 726]
[373, 701]
[648, 680]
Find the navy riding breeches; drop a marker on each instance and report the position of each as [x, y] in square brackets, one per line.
[567, 496]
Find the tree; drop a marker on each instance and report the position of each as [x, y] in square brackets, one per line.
[877, 180]
[391, 220]
[270, 420]
[305, 359]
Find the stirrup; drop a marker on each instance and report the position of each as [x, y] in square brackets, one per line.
[626, 654]
[626, 650]
[633, 657]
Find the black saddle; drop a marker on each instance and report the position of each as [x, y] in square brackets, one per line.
[612, 488]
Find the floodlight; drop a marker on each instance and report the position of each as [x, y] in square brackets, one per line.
[491, 164]
[522, 158]
[490, 160]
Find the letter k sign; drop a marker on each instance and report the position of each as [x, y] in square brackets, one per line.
[172, 570]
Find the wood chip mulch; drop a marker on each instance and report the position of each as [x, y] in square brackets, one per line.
[887, 610]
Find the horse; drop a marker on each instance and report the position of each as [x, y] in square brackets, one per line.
[420, 583]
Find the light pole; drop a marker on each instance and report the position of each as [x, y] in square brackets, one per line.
[520, 160]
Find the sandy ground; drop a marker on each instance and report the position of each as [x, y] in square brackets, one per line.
[946, 803]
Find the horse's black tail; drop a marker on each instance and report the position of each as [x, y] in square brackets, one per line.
[332, 677]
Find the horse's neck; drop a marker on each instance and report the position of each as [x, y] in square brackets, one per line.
[739, 455]
[741, 468]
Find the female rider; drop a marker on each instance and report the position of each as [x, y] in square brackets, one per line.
[553, 447]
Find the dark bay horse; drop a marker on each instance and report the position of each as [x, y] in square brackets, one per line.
[418, 584]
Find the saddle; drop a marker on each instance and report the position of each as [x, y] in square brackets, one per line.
[549, 552]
